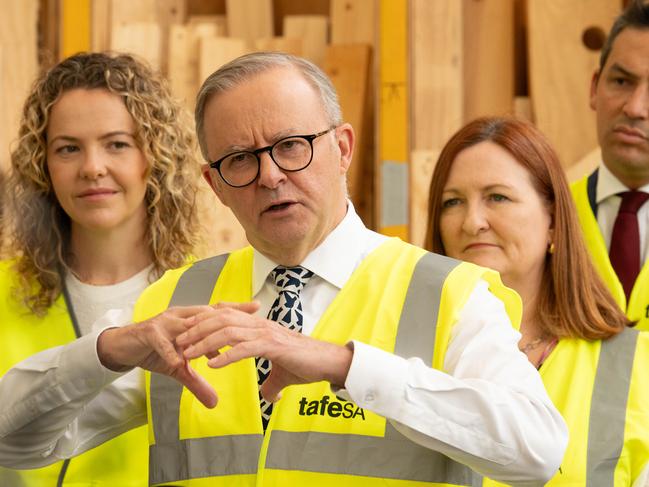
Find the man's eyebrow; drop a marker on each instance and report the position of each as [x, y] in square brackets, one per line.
[621, 69]
[274, 138]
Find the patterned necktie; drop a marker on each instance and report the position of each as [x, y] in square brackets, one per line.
[625, 239]
[287, 311]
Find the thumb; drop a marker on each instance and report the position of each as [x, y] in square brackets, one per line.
[271, 389]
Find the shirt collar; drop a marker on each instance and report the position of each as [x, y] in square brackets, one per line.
[608, 185]
[333, 260]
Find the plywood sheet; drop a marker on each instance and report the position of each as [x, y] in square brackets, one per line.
[214, 52]
[349, 67]
[312, 30]
[353, 21]
[249, 19]
[139, 38]
[559, 84]
[488, 51]
[18, 66]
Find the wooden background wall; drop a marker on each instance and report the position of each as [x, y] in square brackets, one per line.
[409, 73]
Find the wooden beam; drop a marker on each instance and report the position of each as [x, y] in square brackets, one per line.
[437, 95]
[488, 52]
[559, 83]
[18, 67]
[349, 67]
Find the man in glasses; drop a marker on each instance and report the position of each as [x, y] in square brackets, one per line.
[349, 359]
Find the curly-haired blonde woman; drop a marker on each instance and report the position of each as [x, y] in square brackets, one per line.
[101, 200]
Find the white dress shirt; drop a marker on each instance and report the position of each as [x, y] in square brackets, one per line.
[608, 205]
[488, 409]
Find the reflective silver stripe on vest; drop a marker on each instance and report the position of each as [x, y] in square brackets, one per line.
[394, 456]
[171, 459]
[608, 407]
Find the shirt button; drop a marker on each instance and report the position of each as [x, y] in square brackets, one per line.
[369, 397]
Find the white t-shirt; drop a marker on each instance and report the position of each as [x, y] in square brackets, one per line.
[91, 302]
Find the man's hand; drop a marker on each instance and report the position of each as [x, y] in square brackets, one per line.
[151, 345]
[296, 358]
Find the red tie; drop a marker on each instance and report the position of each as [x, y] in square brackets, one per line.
[625, 240]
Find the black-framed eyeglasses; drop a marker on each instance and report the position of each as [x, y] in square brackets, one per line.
[291, 154]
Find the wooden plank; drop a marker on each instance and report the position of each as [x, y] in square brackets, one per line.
[312, 29]
[249, 19]
[437, 92]
[139, 38]
[285, 8]
[349, 67]
[353, 21]
[488, 52]
[214, 52]
[184, 52]
[100, 15]
[436, 66]
[205, 7]
[523, 108]
[210, 24]
[48, 28]
[423, 164]
[281, 44]
[559, 84]
[18, 66]
[164, 13]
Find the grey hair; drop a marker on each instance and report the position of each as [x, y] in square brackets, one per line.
[245, 67]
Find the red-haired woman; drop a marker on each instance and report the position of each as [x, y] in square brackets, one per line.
[499, 198]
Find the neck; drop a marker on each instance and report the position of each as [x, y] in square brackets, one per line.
[105, 258]
[632, 179]
[528, 291]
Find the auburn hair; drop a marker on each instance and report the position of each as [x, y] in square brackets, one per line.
[573, 300]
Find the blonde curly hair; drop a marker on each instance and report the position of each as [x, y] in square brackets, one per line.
[40, 233]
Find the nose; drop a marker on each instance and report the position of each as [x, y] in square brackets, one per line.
[92, 164]
[475, 219]
[270, 174]
[637, 105]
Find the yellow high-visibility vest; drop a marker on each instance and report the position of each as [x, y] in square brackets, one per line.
[401, 299]
[122, 461]
[637, 309]
[600, 389]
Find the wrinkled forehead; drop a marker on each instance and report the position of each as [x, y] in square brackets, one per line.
[258, 109]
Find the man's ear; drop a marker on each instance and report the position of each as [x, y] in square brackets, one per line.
[211, 177]
[346, 140]
[593, 89]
